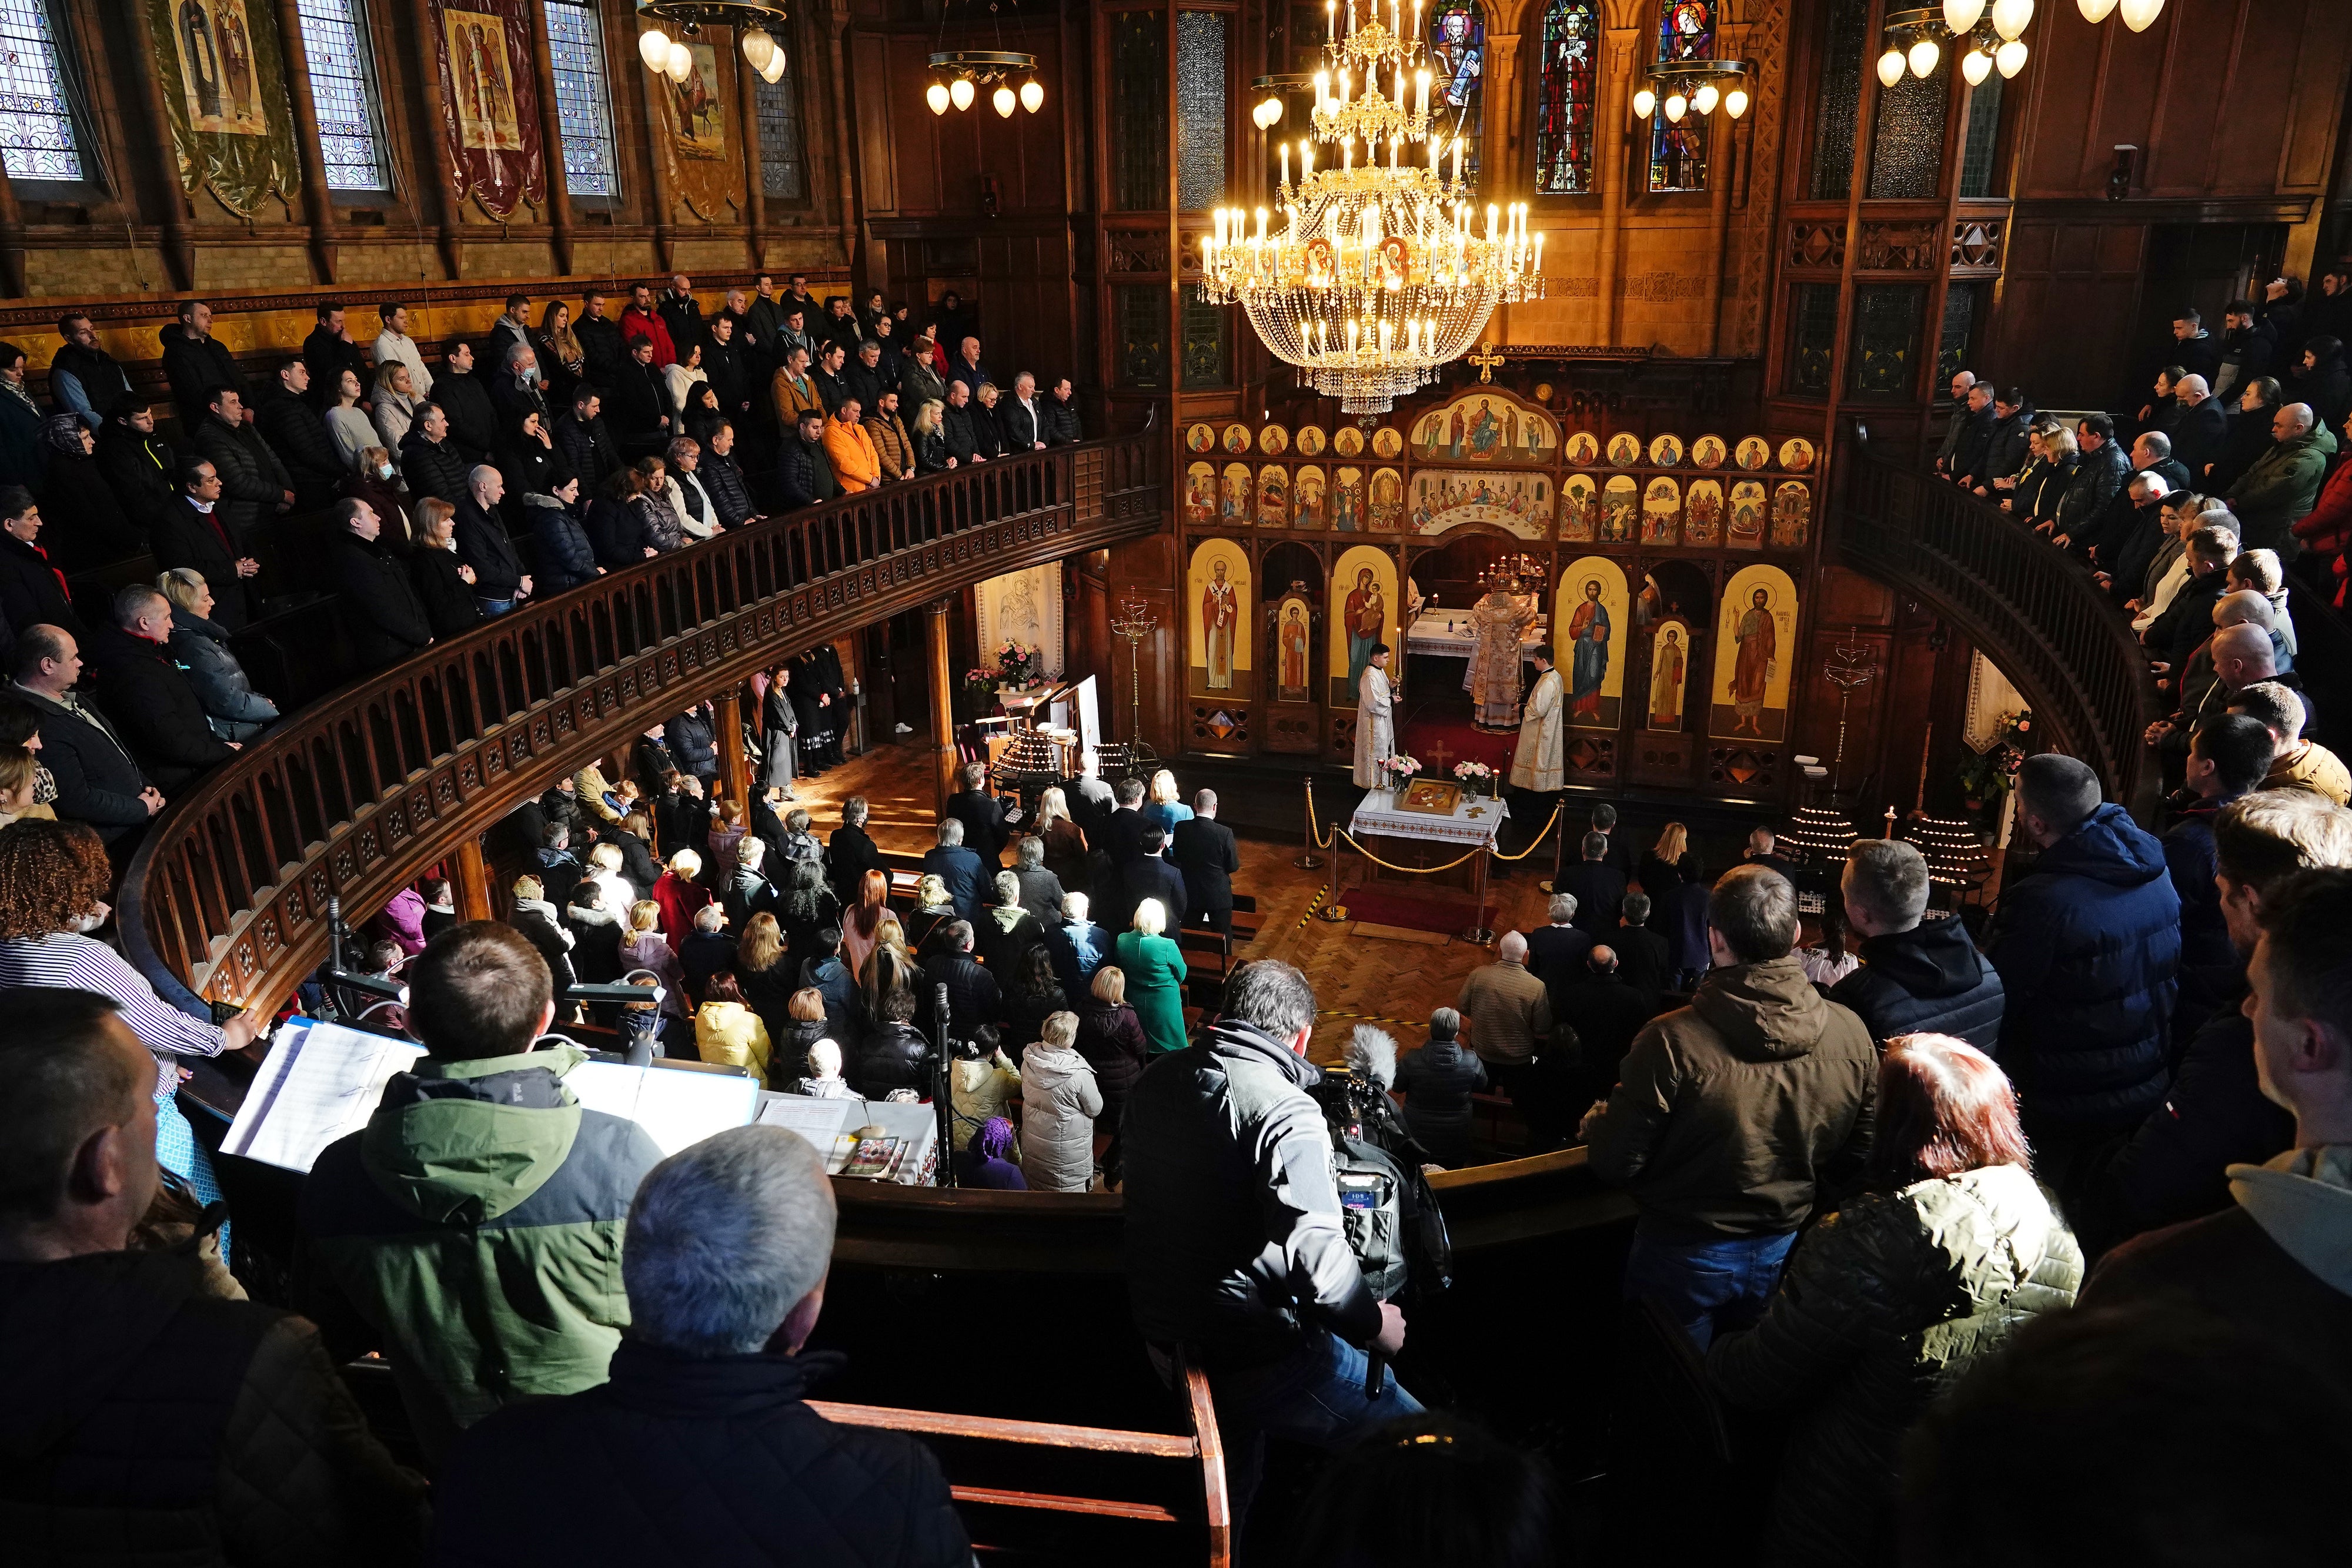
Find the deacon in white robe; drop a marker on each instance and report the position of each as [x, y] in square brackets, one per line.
[1537, 765]
[1375, 720]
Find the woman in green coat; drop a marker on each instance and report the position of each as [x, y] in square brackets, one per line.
[1154, 967]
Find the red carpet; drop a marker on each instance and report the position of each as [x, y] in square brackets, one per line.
[1441, 736]
[1410, 911]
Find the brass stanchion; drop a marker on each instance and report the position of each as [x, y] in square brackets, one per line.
[1307, 859]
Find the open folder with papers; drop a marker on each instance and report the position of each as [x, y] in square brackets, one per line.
[321, 1081]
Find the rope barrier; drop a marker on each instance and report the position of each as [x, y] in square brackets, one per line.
[1319, 840]
[1533, 842]
[1410, 869]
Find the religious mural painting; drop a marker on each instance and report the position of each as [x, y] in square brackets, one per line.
[1024, 607]
[1752, 452]
[1348, 501]
[232, 122]
[1755, 636]
[1666, 451]
[1625, 449]
[1447, 498]
[1747, 526]
[489, 98]
[1387, 501]
[1294, 646]
[1199, 494]
[701, 111]
[1583, 449]
[1587, 626]
[1703, 514]
[1669, 653]
[220, 74]
[1662, 508]
[1792, 516]
[1201, 438]
[1233, 494]
[1620, 505]
[1309, 508]
[1486, 426]
[1237, 438]
[1273, 496]
[1217, 605]
[1273, 441]
[1708, 452]
[1796, 455]
[1364, 591]
[1579, 507]
[1348, 442]
[1312, 441]
[1387, 443]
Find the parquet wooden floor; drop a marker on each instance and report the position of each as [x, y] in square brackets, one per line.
[1355, 978]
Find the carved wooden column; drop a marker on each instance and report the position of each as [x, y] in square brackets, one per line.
[317, 202]
[755, 190]
[837, 24]
[469, 880]
[657, 155]
[179, 244]
[1865, 129]
[436, 136]
[943, 747]
[1723, 138]
[734, 763]
[550, 136]
[12, 240]
[1614, 113]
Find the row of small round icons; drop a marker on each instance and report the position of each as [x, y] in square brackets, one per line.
[1584, 449]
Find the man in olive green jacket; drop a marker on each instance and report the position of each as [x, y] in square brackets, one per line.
[2284, 483]
[475, 1224]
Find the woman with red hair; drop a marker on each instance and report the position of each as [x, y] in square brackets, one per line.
[1952, 1247]
[861, 923]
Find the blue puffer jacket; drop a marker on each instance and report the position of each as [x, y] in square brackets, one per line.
[2088, 945]
[562, 555]
[1929, 979]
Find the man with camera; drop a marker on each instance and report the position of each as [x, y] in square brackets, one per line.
[1236, 1254]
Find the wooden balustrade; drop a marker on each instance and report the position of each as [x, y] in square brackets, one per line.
[364, 790]
[2035, 612]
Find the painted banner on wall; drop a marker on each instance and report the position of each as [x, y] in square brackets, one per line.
[224, 74]
[489, 102]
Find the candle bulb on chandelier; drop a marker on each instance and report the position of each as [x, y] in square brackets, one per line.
[1330, 19]
[1286, 165]
[1421, 86]
[1457, 160]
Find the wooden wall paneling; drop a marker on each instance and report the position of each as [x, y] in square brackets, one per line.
[550, 135]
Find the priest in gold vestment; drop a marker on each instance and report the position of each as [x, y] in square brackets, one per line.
[1497, 623]
[1537, 765]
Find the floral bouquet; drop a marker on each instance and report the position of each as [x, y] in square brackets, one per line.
[1476, 777]
[979, 689]
[1018, 665]
[1401, 769]
[1985, 778]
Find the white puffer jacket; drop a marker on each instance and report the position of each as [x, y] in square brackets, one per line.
[1059, 1103]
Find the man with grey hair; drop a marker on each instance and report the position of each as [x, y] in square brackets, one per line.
[725, 1260]
[1204, 851]
[1731, 1114]
[148, 694]
[1078, 945]
[2087, 946]
[499, 580]
[1641, 953]
[516, 393]
[1918, 976]
[1236, 1248]
[851, 852]
[962, 871]
[1599, 886]
[2283, 485]
[1558, 949]
[1041, 890]
[1509, 1013]
[1437, 1081]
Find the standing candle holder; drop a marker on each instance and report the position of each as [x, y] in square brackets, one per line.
[1134, 622]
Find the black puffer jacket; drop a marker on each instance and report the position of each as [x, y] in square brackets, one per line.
[297, 432]
[1437, 1081]
[1887, 1304]
[83, 522]
[1112, 1040]
[893, 1057]
[587, 448]
[693, 744]
[2097, 477]
[723, 480]
[253, 482]
[1929, 979]
[616, 533]
[775, 1482]
[434, 468]
[177, 1427]
[562, 555]
[155, 708]
[142, 471]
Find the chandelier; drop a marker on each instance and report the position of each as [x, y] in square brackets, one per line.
[960, 74]
[751, 20]
[1693, 85]
[1380, 270]
[1993, 35]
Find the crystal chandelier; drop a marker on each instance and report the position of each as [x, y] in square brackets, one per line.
[1380, 270]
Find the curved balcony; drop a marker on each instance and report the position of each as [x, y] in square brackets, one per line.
[2035, 614]
[362, 792]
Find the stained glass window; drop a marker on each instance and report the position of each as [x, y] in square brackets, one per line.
[1959, 325]
[1838, 107]
[584, 99]
[781, 170]
[1885, 331]
[1812, 337]
[1138, 75]
[37, 129]
[343, 89]
[1571, 35]
[1983, 137]
[1208, 362]
[1200, 109]
[1140, 311]
[1457, 46]
[1906, 150]
[1678, 150]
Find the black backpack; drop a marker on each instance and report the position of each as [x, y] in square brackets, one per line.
[1388, 1208]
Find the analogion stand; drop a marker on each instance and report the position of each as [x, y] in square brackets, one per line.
[1474, 823]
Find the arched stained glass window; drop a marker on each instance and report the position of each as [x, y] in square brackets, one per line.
[1457, 44]
[1678, 152]
[1571, 34]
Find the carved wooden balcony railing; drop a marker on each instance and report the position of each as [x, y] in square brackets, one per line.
[2036, 614]
[360, 794]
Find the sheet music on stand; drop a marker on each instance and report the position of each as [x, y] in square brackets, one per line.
[830, 1127]
[319, 1083]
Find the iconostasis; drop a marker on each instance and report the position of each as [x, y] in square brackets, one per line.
[1672, 563]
